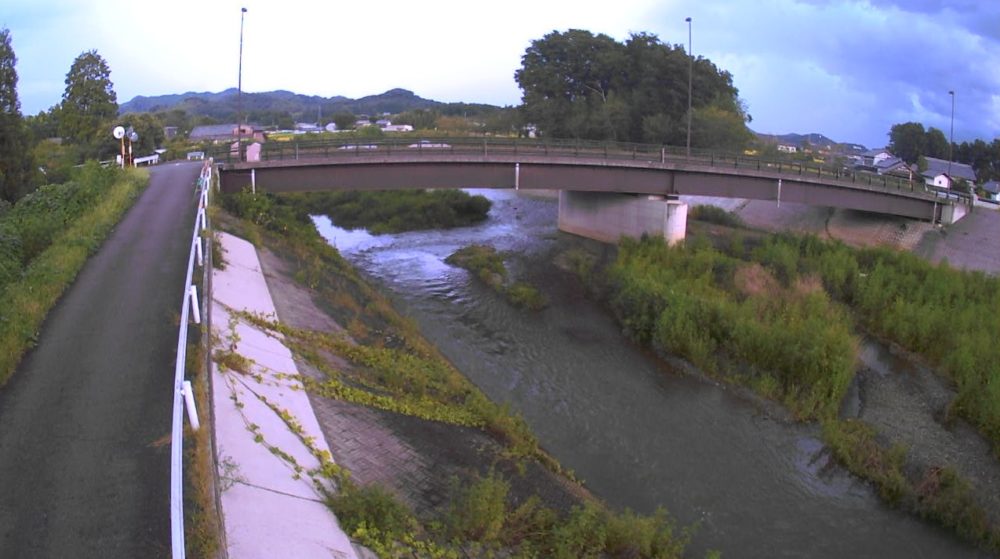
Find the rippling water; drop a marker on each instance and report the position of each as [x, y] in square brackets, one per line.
[640, 435]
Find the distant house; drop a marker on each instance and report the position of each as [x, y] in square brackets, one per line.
[226, 133]
[307, 127]
[362, 122]
[939, 174]
[785, 148]
[992, 189]
[872, 157]
[331, 127]
[398, 128]
[169, 132]
[894, 166]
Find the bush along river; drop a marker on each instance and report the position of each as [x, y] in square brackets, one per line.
[640, 432]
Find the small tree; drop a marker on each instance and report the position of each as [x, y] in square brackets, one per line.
[15, 159]
[89, 106]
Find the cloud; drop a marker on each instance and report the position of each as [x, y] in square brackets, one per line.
[846, 68]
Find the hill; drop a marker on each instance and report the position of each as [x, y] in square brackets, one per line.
[814, 139]
[223, 106]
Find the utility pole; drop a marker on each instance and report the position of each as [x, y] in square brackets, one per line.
[951, 135]
[690, 81]
[239, 93]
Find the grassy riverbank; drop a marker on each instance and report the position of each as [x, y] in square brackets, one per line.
[779, 314]
[45, 239]
[381, 362]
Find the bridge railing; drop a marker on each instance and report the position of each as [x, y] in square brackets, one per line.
[612, 151]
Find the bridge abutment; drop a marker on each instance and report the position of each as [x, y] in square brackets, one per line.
[606, 217]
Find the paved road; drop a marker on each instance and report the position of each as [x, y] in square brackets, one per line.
[85, 420]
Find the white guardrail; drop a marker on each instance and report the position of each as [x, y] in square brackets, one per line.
[182, 388]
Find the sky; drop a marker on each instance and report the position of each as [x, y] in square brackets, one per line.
[849, 69]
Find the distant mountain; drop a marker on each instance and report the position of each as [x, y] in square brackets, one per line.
[224, 104]
[815, 140]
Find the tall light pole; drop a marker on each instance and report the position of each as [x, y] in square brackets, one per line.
[239, 94]
[690, 80]
[951, 135]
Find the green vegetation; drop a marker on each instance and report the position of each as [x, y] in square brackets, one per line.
[89, 106]
[44, 241]
[484, 521]
[398, 210]
[15, 156]
[580, 85]
[751, 301]
[939, 494]
[722, 313]
[488, 265]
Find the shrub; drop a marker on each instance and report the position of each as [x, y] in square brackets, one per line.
[479, 511]
[371, 506]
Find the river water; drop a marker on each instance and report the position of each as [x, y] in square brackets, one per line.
[639, 434]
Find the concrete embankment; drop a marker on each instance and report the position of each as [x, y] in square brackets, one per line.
[269, 442]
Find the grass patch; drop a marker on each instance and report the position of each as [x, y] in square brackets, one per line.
[25, 301]
[488, 265]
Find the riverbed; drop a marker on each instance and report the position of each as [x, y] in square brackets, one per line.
[639, 433]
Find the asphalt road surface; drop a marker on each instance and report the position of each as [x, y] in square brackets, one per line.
[85, 420]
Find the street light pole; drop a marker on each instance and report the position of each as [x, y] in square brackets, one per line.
[239, 94]
[690, 80]
[951, 135]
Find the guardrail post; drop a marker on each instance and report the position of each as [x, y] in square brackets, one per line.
[199, 250]
[192, 411]
[195, 312]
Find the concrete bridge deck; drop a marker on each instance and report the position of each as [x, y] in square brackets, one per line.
[621, 168]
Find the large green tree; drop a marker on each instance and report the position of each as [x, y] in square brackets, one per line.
[150, 130]
[937, 144]
[579, 85]
[15, 157]
[89, 106]
[908, 141]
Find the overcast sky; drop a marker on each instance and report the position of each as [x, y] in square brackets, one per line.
[845, 68]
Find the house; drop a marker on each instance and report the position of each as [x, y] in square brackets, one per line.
[307, 127]
[872, 157]
[226, 133]
[992, 189]
[787, 148]
[398, 128]
[896, 167]
[169, 132]
[331, 127]
[941, 174]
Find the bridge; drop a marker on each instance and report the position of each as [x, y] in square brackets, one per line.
[606, 189]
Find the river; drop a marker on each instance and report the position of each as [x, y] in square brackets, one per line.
[639, 434]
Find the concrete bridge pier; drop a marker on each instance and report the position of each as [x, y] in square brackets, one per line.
[606, 216]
